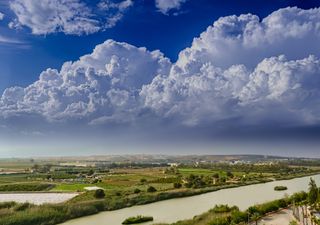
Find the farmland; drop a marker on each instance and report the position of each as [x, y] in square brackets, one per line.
[127, 184]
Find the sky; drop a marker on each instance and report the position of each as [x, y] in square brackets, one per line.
[85, 77]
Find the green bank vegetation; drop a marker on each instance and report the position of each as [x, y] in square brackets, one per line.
[226, 215]
[137, 219]
[26, 187]
[280, 188]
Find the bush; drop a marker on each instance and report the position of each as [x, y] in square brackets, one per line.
[143, 180]
[137, 219]
[280, 188]
[151, 189]
[22, 206]
[99, 193]
[177, 185]
[137, 191]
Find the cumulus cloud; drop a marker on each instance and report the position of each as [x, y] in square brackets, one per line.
[276, 90]
[103, 84]
[67, 16]
[233, 72]
[1, 16]
[165, 6]
[242, 71]
[246, 40]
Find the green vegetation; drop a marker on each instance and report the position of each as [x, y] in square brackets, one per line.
[25, 187]
[151, 189]
[99, 193]
[128, 184]
[226, 215]
[280, 188]
[137, 219]
[313, 192]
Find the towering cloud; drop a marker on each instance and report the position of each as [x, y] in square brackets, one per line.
[103, 84]
[240, 72]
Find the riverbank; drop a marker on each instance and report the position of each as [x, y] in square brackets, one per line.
[275, 211]
[84, 205]
[183, 208]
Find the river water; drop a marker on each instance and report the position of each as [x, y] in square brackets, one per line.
[172, 210]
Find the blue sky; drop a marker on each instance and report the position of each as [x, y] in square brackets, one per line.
[249, 77]
[142, 25]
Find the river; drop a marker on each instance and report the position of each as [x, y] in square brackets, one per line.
[172, 210]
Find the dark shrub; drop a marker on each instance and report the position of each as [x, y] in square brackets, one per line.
[99, 193]
[151, 189]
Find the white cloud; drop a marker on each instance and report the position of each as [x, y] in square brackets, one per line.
[67, 16]
[1, 16]
[115, 10]
[276, 90]
[102, 84]
[240, 72]
[246, 40]
[165, 6]
[12, 41]
[228, 74]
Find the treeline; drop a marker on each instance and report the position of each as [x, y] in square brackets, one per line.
[266, 168]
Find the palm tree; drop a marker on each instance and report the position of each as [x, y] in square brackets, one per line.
[313, 192]
[255, 217]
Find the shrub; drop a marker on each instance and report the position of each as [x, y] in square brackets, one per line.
[99, 193]
[151, 189]
[280, 188]
[177, 185]
[22, 206]
[137, 191]
[137, 219]
[143, 180]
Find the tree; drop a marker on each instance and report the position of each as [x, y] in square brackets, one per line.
[151, 189]
[229, 174]
[90, 172]
[177, 185]
[313, 192]
[216, 175]
[255, 217]
[99, 193]
[143, 180]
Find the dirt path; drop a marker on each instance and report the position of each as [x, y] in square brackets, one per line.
[282, 217]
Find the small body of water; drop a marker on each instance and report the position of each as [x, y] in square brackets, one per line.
[172, 210]
[36, 198]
